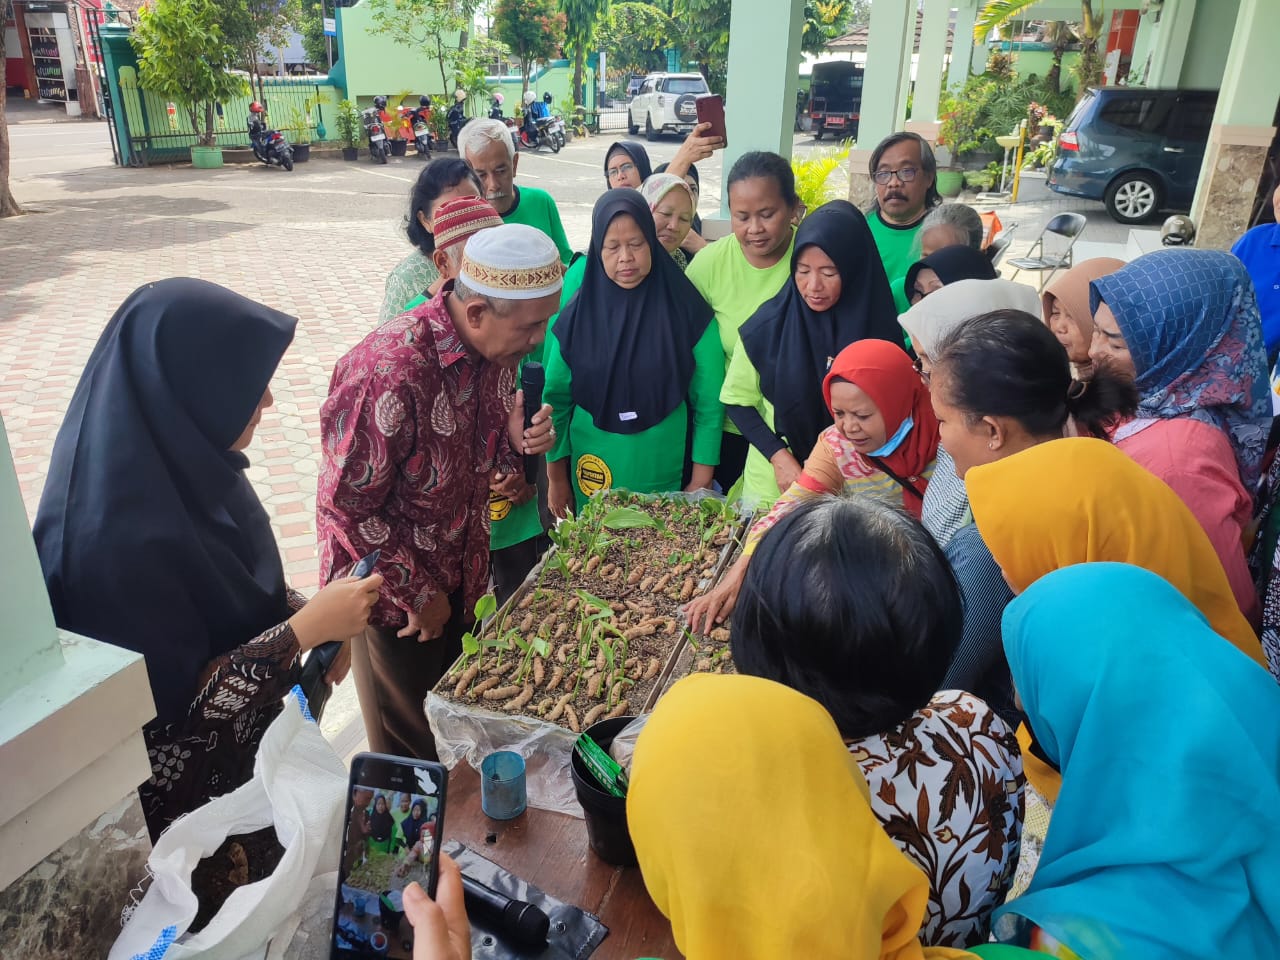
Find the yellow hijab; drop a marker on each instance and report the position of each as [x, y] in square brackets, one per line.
[1081, 500]
[754, 834]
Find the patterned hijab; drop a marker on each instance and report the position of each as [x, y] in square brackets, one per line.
[1139, 711]
[1191, 322]
[809, 873]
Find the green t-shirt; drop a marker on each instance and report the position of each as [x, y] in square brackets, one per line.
[734, 288]
[742, 389]
[651, 461]
[536, 208]
[507, 525]
[899, 248]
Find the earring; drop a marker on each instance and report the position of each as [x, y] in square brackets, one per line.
[991, 445]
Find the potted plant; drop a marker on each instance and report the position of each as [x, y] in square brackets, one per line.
[299, 130]
[398, 132]
[949, 180]
[183, 57]
[349, 129]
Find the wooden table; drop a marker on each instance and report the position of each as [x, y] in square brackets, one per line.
[550, 851]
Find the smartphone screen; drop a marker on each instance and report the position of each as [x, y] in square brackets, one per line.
[391, 838]
[711, 110]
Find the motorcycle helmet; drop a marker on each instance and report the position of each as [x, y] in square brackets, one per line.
[499, 99]
[1178, 231]
[546, 98]
[529, 97]
[256, 107]
[424, 101]
[380, 102]
[459, 95]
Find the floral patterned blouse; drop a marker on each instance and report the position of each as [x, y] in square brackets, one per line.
[213, 750]
[406, 282]
[412, 429]
[947, 786]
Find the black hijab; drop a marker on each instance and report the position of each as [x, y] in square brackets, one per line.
[631, 351]
[381, 823]
[149, 533]
[951, 264]
[411, 826]
[791, 346]
[638, 154]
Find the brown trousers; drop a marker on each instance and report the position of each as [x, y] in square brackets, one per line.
[393, 676]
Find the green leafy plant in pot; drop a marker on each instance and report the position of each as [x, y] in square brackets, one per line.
[299, 131]
[349, 129]
[184, 57]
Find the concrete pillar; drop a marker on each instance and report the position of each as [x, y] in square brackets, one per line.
[1172, 36]
[962, 45]
[933, 52]
[1242, 127]
[889, 44]
[763, 74]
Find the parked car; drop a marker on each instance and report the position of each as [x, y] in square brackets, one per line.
[835, 98]
[666, 103]
[1137, 150]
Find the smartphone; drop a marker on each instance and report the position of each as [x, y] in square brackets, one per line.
[711, 110]
[390, 838]
[365, 566]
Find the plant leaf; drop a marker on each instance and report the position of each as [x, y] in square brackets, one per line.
[627, 518]
[486, 606]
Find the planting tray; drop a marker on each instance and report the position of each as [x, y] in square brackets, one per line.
[629, 597]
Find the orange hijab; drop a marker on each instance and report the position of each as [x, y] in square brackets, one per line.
[883, 371]
[1081, 500]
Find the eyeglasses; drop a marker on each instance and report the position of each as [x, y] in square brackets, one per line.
[918, 366]
[905, 174]
[621, 171]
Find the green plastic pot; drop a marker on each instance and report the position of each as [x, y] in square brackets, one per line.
[950, 182]
[206, 158]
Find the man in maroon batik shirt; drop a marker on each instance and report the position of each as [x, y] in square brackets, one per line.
[419, 415]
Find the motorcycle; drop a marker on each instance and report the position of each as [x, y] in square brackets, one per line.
[371, 119]
[495, 113]
[269, 146]
[418, 121]
[549, 132]
[457, 120]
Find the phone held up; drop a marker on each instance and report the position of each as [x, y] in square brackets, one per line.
[711, 110]
[391, 838]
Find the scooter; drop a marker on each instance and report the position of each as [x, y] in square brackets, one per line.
[371, 119]
[269, 146]
[457, 120]
[419, 122]
[495, 113]
[548, 132]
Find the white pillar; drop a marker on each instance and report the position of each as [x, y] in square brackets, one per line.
[962, 45]
[933, 51]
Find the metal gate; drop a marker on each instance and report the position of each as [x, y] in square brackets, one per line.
[106, 105]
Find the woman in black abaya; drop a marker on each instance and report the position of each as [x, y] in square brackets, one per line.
[152, 538]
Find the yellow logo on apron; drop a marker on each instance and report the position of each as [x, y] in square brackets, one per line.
[593, 474]
[499, 507]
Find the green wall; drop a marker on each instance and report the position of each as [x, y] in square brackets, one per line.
[372, 64]
[1210, 42]
[1028, 61]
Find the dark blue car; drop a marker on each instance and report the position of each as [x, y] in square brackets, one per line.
[1136, 149]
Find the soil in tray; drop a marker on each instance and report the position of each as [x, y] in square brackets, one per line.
[242, 859]
[601, 660]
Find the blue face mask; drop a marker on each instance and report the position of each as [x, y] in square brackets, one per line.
[895, 441]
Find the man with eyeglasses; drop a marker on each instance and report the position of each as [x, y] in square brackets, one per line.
[904, 171]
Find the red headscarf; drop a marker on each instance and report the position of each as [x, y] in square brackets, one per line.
[884, 372]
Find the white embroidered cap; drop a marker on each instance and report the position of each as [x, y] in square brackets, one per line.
[511, 262]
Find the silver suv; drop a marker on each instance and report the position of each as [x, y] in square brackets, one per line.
[666, 103]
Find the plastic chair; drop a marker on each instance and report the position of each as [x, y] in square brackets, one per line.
[1063, 227]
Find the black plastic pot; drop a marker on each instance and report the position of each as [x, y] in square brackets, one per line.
[398, 147]
[350, 153]
[606, 815]
[301, 152]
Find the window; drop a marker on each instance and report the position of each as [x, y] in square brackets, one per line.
[1131, 113]
[679, 85]
[1191, 117]
[647, 87]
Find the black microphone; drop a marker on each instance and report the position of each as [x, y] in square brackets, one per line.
[523, 924]
[532, 379]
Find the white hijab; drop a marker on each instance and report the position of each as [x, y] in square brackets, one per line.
[930, 320]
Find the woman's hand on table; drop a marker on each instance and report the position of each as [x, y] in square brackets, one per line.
[701, 478]
[440, 927]
[338, 612]
[786, 469]
[712, 608]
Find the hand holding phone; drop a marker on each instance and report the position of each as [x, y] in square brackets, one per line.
[711, 110]
[391, 840]
[441, 930]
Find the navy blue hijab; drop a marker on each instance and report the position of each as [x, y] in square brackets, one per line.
[149, 533]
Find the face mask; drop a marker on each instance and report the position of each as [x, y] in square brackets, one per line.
[895, 441]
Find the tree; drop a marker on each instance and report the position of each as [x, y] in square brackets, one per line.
[998, 13]
[581, 19]
[533, 29]
[634, 36]
[428, 25]
[184, 57]
[250, 25]
[8, 206]
[824, 20]
[313, 38]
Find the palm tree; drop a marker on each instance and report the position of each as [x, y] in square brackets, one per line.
[581, 18]
[998, 13]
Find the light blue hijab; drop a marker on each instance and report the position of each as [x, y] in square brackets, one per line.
[1164, 842]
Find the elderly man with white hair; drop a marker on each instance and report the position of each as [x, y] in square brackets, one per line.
[420, 415]
[487, 148]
